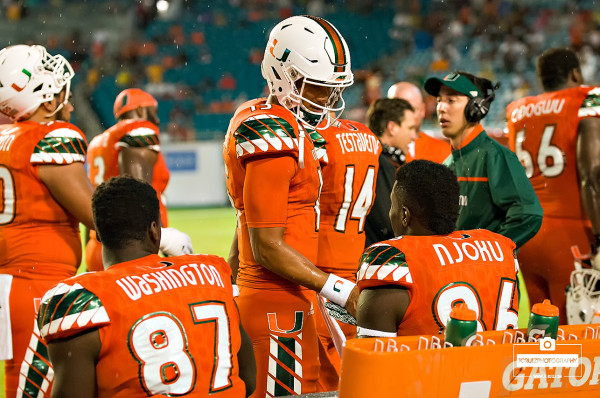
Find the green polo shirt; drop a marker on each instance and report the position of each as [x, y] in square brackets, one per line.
[495, 193]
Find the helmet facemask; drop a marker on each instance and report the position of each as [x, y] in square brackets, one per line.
[62, 73]
[311, 113]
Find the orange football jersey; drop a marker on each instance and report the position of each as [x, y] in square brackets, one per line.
[430, 148]
[103, 154]
[477, 267]
[167, 326]
[260, 130]
[34, 229]
[349, 155]
[542, 131]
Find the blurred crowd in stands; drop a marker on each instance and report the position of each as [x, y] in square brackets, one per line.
[190, 57]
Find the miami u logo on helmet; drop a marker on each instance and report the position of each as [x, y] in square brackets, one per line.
[285, 55]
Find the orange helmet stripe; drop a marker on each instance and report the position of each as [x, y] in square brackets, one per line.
[336, 41]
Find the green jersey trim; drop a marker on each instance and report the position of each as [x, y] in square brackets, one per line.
[261, 132]
[591, 104]
[69, 307]
[60, 146]
[141, 137]
[381, 261]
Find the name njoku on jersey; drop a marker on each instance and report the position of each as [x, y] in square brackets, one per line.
[358, 142]
[170, 278]
[478, 250]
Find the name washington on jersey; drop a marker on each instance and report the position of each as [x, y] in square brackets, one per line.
[170, 278]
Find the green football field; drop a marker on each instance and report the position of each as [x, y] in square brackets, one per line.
[212, 229]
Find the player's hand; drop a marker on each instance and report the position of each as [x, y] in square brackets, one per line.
[352, 302]
[339, 313]
[173, 242]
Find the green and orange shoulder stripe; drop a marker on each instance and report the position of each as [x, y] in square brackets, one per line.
[69, 308]
[63, 143]
[264, 129]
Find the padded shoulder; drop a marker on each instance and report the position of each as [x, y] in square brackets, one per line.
[591, 104]
[63, 144]
[382, 262]
[68, 309]
[140, 134]
[263, 133]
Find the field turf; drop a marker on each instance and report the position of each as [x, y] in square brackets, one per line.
[212, 229]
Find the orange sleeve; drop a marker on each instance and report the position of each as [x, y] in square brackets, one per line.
[266, 189]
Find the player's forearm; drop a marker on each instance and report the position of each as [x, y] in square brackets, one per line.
[287, 262]
[233, 258]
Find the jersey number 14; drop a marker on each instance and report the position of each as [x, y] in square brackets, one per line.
[358, 209]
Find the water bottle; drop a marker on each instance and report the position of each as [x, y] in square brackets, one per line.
[543, 321]
[462, 326]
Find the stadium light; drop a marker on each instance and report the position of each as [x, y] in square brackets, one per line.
[162, 6]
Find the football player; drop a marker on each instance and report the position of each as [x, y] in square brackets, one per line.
[44, 194]
[555, 135]
[425, 146]
[409, 284]
[147, 325]
[273, 179]
[131, 146]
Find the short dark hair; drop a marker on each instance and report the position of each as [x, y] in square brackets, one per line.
[385, 110]
[554, 66]
[485, 86]
[123, 209]
[431, 192]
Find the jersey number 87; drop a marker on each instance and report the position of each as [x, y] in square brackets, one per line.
[159, 344]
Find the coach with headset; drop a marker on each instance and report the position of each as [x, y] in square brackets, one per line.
[495, 193]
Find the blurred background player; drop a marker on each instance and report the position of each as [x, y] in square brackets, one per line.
[349, 155]
[495, 193]
[273, 179]
[556, 137]
[425, 146]
[132, 146]
[394, 122]
[147, 325]
[409, 284]
[46, 194]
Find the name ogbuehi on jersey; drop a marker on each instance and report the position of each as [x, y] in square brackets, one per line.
[170, 278]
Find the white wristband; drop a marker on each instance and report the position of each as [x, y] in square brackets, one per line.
[364, 332]
[337, 289]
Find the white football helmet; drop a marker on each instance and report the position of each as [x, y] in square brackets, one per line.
[29, 76]
[307, 50]
[583, 296]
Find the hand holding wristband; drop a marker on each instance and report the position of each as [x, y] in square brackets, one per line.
[337, 289]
